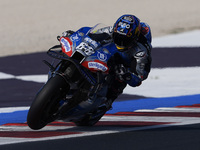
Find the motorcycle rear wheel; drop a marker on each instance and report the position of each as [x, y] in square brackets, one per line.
[47, 102]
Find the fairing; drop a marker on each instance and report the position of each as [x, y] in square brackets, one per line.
[90, 53]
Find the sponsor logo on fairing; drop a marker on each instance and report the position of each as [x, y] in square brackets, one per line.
[97, 65]
[65, 44]
[92, 42]
[102, 56]
[75, 37]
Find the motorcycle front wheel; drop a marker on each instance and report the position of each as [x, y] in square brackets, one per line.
[47, 102]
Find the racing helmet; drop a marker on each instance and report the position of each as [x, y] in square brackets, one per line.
[126, 31]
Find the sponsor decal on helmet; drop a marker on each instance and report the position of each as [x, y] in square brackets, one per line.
[121, 28]
[144, 30]
[124, 25]
[129, 18]
[137, 31]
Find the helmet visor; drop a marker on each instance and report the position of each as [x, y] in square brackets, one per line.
[122, 41]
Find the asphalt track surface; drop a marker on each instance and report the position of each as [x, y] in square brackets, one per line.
[185, 137]
[171, 138]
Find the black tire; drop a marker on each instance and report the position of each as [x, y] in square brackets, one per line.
[46, 102]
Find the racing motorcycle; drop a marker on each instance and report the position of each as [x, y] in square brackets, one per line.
[78, 80]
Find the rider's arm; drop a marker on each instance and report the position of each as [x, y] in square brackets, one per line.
[143, 61]
[140, 66]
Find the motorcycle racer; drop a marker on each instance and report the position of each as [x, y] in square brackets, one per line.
[133, 40]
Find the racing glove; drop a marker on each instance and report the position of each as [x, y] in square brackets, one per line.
[124, 75]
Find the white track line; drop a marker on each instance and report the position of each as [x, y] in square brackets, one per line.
[169, 109]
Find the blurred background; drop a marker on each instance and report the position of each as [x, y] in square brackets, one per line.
[32, 25]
